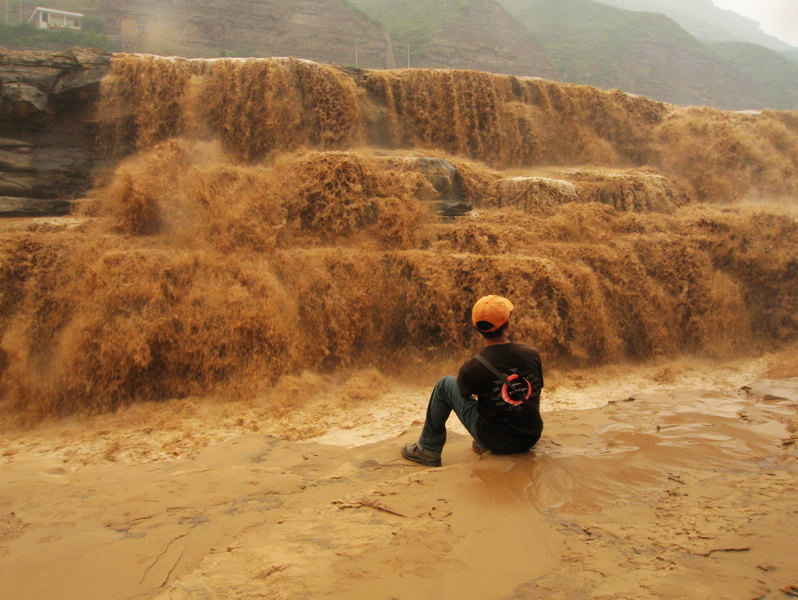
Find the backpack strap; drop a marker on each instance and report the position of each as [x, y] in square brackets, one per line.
[491, 368]
[513, 392]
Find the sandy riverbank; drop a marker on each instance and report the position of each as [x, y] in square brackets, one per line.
[687, 489]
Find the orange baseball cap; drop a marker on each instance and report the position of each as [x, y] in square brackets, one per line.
[490, 313]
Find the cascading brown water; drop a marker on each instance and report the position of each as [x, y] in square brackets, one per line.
[271, 221]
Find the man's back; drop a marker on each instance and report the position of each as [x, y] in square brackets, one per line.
[505, 425]
[496, 396]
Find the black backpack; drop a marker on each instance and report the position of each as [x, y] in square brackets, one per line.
[516, 389]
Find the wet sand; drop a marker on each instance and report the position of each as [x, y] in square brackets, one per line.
[678, 491]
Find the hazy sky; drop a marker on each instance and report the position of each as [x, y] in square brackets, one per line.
[776, 17]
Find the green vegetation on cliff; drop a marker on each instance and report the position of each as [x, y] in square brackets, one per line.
[593, 43]
[643, 53]
[706, 21]
[25, 36]
[414, 22]
[767, 68]
[589, 40]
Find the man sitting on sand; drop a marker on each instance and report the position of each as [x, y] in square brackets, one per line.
[496, 394]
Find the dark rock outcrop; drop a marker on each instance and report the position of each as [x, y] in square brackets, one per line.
[442, 176]
[48, 127]
[32, 207]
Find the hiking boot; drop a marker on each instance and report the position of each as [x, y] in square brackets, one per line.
[477, 448]
[417, 454]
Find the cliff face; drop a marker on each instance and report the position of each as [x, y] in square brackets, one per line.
[706, 21]
[483, 37]
[663, 62]
[642, 53]
[320, 30]
[47, 128]
[486, 38]
[461, 34]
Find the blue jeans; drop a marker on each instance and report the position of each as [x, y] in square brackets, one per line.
[446, 398]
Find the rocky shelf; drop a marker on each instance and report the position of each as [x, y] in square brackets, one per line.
[48, 128]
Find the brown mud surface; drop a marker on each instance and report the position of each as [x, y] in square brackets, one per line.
[690, 486]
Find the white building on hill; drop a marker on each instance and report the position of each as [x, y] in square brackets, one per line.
[50, 18]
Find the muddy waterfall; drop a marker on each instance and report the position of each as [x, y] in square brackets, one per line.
[259, 218]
